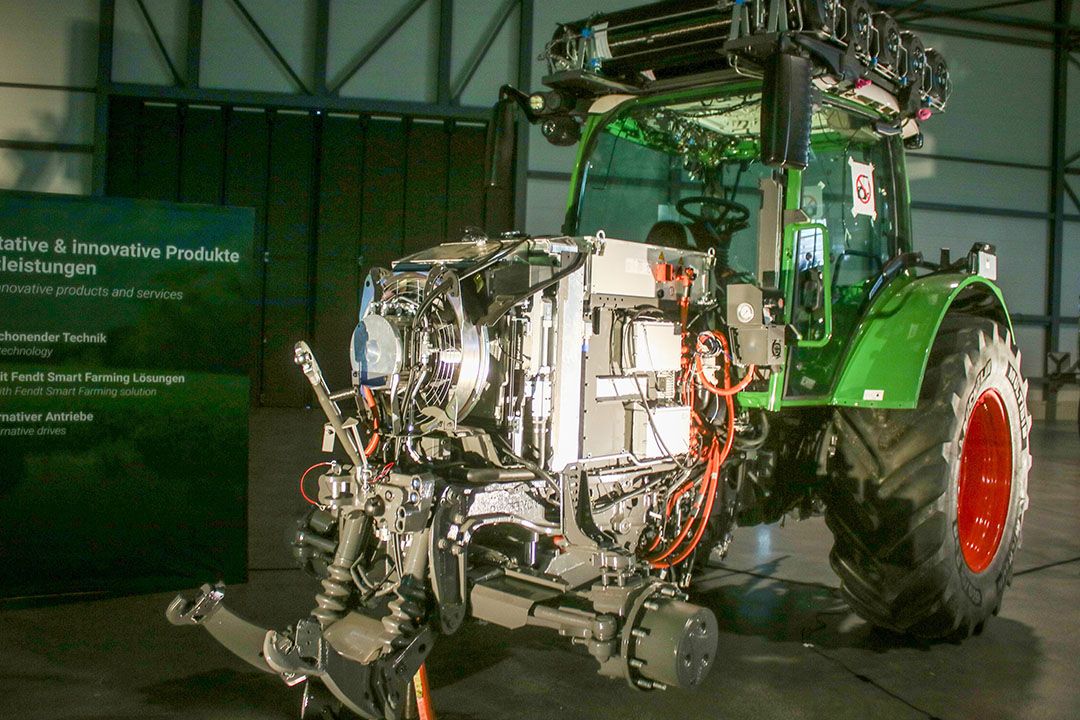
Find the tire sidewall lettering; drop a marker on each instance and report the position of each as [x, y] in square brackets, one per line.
[1012, 374]
[977, 390]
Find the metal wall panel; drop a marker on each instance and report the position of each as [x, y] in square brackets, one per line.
[159, 152]
[49, 41]
[246, 159]
[289, 244]
[46, 115]
[426, 168]
[465, 179]
[122, 178]
[1031, 340]
[933, 179]
[234, 57]
[337, 287]
[202, 159]
[46, 171]
[474, 20]
[546, 206]
[401, 68]
[384, 192]
[340, 220]
[341, 175]
[1000, 104]
[334, 196]
[1021, 246]
[136, 55]
[1070, 275]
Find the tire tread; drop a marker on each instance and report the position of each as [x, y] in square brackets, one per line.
[888, 506]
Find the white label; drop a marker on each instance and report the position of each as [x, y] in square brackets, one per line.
[615, 387]
[637, 266]
[863, 196]
[873, 394]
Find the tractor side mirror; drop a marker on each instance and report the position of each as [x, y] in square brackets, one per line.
[501, 142]
[812, 301]
[786, 111]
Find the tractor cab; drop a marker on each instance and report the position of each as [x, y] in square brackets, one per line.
[686, 172]
[559, 430]
[769, 137]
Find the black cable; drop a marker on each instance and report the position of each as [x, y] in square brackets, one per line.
[500, 254]
[529, 465]
[497, 310]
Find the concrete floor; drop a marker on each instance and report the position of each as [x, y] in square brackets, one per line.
[790, 648]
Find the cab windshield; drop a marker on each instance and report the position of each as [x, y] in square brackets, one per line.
[682, 175]
[687, 175]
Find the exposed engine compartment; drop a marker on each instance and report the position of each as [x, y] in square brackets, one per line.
[541, 431]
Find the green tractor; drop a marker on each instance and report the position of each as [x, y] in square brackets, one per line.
[731, 327]
[900, 377]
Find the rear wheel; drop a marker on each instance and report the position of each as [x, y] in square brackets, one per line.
[926, 505]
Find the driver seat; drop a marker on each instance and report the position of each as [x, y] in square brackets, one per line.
[671, 233]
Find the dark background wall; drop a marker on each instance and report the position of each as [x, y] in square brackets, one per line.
[334, 194]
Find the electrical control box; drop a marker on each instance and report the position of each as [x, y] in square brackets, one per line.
[654, 347]
[666, 433]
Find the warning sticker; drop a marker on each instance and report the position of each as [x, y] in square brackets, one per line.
[863, 197]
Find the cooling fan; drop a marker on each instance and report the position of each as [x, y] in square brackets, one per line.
[415, 327]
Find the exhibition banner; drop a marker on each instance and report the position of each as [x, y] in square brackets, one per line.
[125, 344]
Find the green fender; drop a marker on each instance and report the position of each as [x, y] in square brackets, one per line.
[886, 360]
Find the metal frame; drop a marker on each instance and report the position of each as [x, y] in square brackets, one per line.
[321, 93]
[1061, 36]
[1065, 41]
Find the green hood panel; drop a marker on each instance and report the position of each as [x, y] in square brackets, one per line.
[886, 360]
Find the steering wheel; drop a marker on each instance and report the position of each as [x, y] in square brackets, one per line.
[720, 215]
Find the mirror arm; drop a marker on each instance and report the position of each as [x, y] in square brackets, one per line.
[825, 281]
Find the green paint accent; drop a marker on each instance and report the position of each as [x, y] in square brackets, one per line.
[892, 345]
[768, 399]
[794, 190]
[792, 201]
[577, 177]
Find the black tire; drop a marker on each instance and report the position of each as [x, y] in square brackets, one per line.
[893, 500]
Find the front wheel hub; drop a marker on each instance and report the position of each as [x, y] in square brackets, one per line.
[985, 481]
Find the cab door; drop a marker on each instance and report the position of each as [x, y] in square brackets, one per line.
[851, 188]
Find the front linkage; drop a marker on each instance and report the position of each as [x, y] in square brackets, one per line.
[557, 431]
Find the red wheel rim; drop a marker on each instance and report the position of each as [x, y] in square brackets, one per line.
[985, 483]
